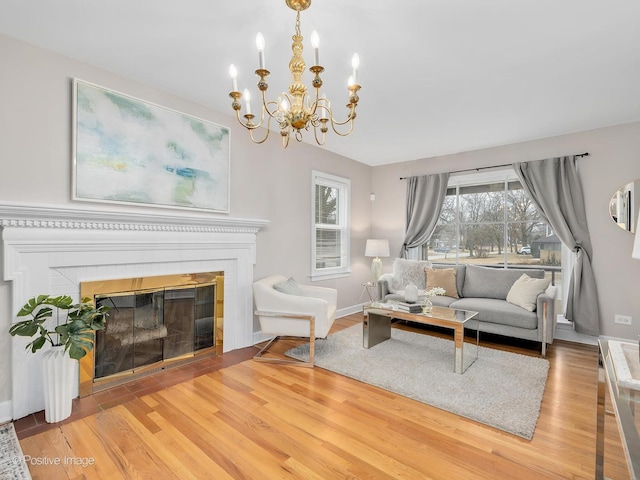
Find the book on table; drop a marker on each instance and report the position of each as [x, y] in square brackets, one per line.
[410, 307]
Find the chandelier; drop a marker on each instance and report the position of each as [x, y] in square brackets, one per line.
[296, 110]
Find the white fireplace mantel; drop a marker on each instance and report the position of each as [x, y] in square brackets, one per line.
[51, 249]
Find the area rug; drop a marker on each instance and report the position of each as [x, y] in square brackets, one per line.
[500, 389]
[12, 462]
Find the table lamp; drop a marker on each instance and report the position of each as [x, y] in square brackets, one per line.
[376, 249]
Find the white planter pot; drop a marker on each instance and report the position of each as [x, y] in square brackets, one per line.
[58, 373]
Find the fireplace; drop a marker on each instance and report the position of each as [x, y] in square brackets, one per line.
[53, 249]
[154, 323]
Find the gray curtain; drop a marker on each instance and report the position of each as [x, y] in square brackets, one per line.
[425, 197]
[556, 190]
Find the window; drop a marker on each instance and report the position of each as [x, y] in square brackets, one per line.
[489, 219]
[330, 235]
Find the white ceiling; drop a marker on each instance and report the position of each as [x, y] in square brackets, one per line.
[437, 77]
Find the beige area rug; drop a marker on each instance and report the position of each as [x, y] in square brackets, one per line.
[500, 389]
[12, 462]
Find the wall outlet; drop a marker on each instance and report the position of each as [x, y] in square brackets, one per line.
[623, 319]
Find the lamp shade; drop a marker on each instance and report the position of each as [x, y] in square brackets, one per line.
[377, 248]
[636, 242]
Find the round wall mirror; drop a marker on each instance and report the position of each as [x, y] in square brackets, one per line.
[625, 205]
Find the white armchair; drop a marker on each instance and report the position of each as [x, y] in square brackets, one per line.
[309, 313]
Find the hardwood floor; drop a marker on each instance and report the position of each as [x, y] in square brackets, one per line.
[255, 420]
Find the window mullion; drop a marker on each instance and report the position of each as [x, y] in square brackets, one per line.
[505, 218]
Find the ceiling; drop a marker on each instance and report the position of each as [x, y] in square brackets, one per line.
[437, 77]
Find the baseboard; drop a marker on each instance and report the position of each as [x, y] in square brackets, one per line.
[343, 312]
[6, 411]
[565, 325]
[259, 337]
[573, 336]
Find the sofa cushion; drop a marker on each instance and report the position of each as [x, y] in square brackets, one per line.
[442, 300]
[524, 292]
[408, 272]
[460, 274]
[492, 310]
[487, 282]
[438, 300]
[288, 286]
[443, 278]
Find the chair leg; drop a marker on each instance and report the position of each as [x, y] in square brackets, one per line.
[259, 357]
[312, 341]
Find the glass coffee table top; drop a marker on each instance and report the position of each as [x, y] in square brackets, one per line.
[377, 327]
[442, 313]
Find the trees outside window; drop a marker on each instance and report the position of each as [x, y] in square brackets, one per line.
[489, 219]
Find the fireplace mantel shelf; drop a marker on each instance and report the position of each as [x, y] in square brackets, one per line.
[30, 215]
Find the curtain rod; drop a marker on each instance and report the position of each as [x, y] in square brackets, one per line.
[585, 154]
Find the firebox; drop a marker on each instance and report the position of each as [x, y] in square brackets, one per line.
[154, 323]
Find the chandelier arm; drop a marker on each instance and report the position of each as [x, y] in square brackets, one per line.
[249, 125]
[323, 129]
[266, 135]
[350, 118]
[259, 141]
[351, 124]
[266, 103]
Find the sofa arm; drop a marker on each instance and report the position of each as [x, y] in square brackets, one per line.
[546, 304]
[383, 286]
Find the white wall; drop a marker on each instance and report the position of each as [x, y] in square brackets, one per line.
[613, 161]
[267, 182]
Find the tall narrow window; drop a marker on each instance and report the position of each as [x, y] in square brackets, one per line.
[330, 235]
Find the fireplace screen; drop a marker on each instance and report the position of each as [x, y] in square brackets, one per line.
[148, 327]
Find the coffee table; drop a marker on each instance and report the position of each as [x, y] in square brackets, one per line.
[376, 327]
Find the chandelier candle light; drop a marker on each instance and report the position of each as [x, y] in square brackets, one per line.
[295, 110]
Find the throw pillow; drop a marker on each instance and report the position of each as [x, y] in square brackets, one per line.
[408, 272]
[443, 278]
[524, 292]
[288, 286]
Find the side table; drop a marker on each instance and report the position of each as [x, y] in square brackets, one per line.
[366, 287]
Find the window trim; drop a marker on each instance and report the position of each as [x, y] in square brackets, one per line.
[344, 187]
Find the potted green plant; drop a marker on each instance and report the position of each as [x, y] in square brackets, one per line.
[71, 338]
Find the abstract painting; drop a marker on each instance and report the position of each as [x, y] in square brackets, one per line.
[133, 152]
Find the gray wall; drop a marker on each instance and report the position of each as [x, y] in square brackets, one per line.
[267, 182]
[613, 161]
